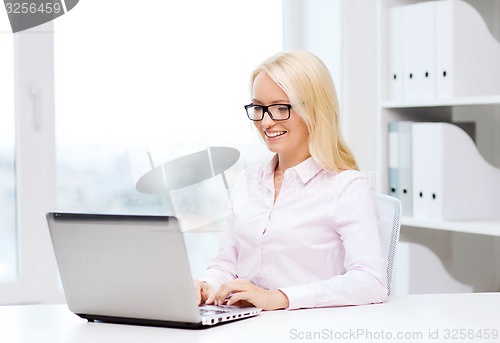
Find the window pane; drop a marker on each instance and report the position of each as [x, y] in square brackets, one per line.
[8, 235]
[168, 78]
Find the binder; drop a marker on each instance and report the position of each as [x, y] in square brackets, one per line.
[444, 49]
[427, 171]
[467, 54]
[451, 180]
[405, 167]
[410, 53]
[419, 51]
[393, 154]
[425, 45]
[395, 38]
[400, 170]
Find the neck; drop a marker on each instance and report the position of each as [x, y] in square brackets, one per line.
[290, 161]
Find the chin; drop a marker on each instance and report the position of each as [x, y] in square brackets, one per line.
[273, 148]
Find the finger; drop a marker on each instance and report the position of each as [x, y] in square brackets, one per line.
[209, 294]
[223, 293]
[204, 295]
[210, 300]
[243, 299]
[236, 297]
[219, 295]
[223, 289]
[197, 290]
[230, 287]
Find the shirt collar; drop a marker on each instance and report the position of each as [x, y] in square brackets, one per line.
[306, 170]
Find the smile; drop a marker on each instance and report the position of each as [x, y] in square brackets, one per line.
[274, 134]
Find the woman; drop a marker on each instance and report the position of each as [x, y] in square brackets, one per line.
[301, 231]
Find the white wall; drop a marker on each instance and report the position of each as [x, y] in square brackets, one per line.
[315, 26]
[343, 34]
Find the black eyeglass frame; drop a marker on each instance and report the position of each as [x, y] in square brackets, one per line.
[266, 109]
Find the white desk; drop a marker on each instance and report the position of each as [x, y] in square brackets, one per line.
[426, 316]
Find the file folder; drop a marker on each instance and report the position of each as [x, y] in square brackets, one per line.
[418, 50]
[425, 46]
[467, 54]
[395, 38]
[410, 53]
[400, 170]
[405, 167]
[444, 49]
[451, 180]
[427, 171]
[393, 154]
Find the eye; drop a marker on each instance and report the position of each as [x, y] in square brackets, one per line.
[282, 108]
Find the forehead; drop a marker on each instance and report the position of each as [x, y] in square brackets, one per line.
[266, 90]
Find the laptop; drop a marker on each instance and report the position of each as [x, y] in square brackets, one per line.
[132, 270]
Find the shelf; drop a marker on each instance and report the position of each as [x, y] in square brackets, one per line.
[464, 101]
[490, 227]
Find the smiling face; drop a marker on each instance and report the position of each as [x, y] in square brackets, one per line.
[288, 138]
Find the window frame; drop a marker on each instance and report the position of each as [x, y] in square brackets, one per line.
[37, 280]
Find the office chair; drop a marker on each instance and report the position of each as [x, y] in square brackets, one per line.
[390, 212]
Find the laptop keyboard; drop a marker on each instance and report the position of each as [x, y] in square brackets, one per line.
[211, 312]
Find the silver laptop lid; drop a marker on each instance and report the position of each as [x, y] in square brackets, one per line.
[124, 266]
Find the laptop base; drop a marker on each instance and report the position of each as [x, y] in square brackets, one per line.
[141, 321]
[151, 322]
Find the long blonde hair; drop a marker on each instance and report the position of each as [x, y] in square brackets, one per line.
[310, 89]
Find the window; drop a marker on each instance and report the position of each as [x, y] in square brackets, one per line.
[141, 83]
[8, 234]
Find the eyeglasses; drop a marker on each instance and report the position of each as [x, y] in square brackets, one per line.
[277, 112]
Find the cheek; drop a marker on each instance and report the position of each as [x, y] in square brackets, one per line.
[305, 137]
[301, 129]
[258, 126]
[304, 129]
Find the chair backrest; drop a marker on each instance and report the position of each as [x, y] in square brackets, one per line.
[390, 213]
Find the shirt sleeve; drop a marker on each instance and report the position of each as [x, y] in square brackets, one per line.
[355, 218]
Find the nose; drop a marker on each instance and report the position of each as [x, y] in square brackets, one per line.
[267, 122]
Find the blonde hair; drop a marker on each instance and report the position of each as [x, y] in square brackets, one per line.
[310, 89]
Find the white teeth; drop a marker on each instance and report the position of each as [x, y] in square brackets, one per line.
[274, 134]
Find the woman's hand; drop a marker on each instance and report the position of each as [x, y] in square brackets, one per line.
[244, 293]
[204, 292]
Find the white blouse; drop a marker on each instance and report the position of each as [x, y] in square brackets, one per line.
[318, 243]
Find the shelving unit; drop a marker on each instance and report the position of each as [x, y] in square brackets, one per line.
[464, 101]
[436, 110]
[490, 228]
